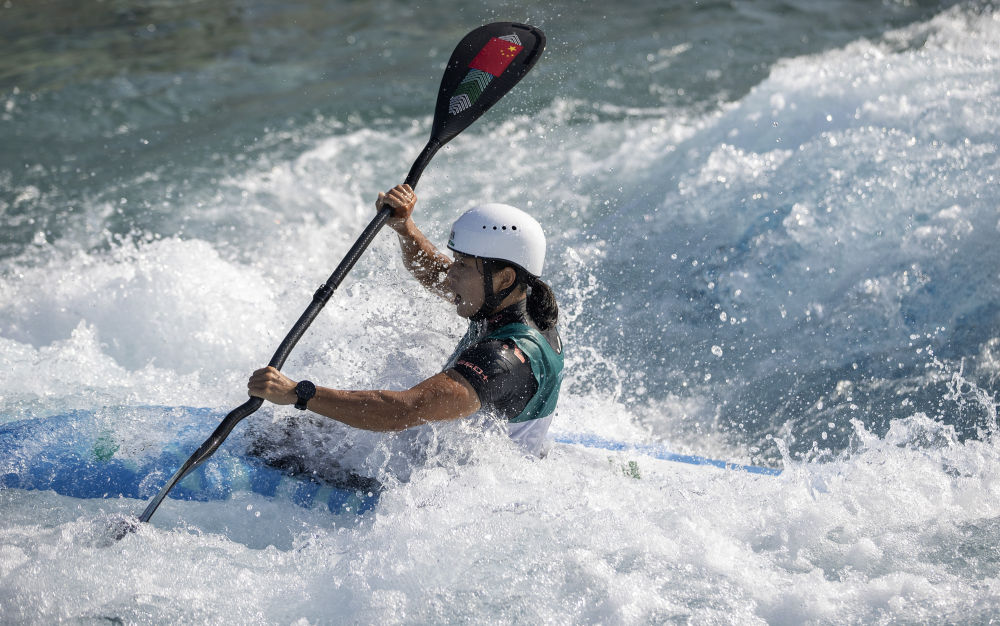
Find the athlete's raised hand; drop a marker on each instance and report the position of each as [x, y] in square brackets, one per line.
[401, 200]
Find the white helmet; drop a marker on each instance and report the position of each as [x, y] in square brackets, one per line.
[500, 231]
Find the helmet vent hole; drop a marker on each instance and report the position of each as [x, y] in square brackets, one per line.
[513, 227]
[504, 228]
[494, 228]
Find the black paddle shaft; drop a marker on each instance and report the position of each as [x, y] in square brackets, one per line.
[484, 66]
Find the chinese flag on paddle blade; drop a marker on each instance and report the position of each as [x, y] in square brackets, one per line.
[495, 56]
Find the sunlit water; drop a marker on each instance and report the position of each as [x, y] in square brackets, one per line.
[773, 236]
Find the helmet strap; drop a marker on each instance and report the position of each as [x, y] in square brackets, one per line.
[492, 299]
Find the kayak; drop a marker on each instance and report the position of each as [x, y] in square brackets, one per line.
[79, 454]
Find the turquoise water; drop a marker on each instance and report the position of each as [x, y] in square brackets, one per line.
[772, 232]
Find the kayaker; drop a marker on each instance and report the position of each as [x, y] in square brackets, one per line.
[508, 364]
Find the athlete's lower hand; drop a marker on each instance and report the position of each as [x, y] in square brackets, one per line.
[270, 384]
[401, 200]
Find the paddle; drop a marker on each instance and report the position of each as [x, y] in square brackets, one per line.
[485, 65]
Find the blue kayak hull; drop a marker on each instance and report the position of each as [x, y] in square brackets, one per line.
[76, 454]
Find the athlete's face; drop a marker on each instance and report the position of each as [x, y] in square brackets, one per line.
[465, 283]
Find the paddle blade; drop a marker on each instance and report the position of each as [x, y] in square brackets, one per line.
[485, 65]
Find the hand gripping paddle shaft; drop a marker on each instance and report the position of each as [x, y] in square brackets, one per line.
[485, 65]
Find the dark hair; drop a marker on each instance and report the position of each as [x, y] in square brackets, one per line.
[542, 306]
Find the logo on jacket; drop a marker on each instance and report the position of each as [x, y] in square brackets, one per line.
[475, 368]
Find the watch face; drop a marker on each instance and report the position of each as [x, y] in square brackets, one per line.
[305, 389]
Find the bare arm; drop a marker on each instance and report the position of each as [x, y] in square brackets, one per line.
[427, 264]
[444, 396]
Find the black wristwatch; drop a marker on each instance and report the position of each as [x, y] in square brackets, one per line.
[304, 391]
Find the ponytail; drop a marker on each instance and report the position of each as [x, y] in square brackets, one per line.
[541, 302]
[542, 306]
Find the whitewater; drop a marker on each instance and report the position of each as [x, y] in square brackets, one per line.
[793, 267]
